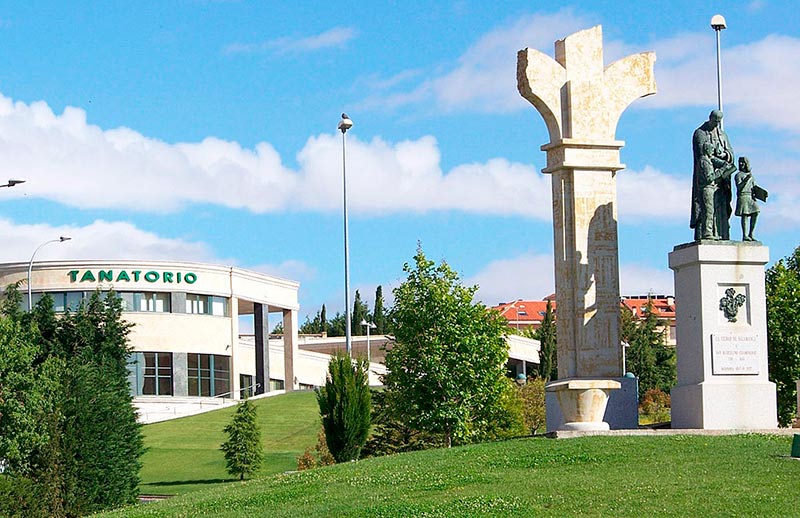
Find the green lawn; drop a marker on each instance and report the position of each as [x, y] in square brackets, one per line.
[183, 454]
[744, 475]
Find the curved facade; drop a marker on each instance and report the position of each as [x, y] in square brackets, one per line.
[186, 337]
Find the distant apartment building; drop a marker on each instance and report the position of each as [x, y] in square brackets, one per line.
[528, 314]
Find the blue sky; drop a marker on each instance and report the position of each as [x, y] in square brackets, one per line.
[206, 131]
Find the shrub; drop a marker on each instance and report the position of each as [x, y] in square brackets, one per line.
[317, 456]
[533, 410]
[655, 406]
[344, 405]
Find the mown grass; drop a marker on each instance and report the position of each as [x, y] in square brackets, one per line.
[183, 455]
[744, 475]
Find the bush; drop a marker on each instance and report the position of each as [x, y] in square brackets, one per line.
[655, 406]
[317, 456]
[533, 411]
[21, 497]
[344, 405]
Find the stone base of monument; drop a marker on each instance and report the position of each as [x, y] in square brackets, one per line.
[622, 410]
[582, 402]
[721, 324]
[727, 405]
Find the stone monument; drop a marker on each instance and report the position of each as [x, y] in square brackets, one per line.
[721, 315]
[581, 101]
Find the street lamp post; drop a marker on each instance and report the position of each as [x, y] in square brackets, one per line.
[12, 182]
[369, 325]
[344, 125]
[30, 266]
[718, 24]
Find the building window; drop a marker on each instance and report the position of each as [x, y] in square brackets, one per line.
[145, 301]
[63, 301]
[206, 305]
[153, 374]
[247, 386]
[209, 375]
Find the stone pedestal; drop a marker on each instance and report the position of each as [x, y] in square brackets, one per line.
[583, 402]
[721, 324]
[622, 410]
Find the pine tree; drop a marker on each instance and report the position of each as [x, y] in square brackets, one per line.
[379, 313]
[243, 450]
[345, 407]
[360, 313]
[548, 354]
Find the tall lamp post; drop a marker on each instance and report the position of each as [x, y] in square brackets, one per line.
[30, 266]
[12, 182]
[718, 24]
[370, 326]
[344, 125]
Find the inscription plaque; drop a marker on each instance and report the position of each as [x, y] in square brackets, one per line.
[734, 354]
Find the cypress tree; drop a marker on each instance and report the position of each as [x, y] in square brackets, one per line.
[243, 450]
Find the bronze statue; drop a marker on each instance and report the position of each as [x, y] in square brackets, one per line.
[711, 180]
[747, 192]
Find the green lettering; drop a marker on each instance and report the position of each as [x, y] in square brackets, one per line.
[190, 278]
[136, 275]
[179, 277]
[73, 275]
[151, 276]
[123, 276]
[107, 275]
[88, 276]
[167, 276]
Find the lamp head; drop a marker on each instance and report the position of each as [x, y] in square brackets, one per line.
[64, 238]
[345, 124]
[15, 181]
[718, 22]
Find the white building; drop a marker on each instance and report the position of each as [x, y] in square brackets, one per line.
[189, 354]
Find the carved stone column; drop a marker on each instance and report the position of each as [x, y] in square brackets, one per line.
[581, 101]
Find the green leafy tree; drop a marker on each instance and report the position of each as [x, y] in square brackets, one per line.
[447, 365]
[360, 313]
[647, 356]
[548, 354]
[344, 405]
[243, 450]
[87, 454]
[379, 313]
[783, 332]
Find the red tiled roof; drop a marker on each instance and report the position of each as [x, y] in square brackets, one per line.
[524, 311]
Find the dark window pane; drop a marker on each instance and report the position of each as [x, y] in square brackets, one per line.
[193, 387]
[193, 361]
[205, 387]
[164, 359]
[205, 361]
[165, 386]
[149, 387]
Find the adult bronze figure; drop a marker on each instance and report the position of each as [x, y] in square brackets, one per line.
[711, 180]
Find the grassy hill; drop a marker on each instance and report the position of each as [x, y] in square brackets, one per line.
[744, 475]
[183, 455]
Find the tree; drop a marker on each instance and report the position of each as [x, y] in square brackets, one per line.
[783, 332]
[447, 364]
[379, 314]
[360, 313]
[336, 325]
[647, 356]
[243, 450]
[87, 454]
[548, 354]
[344, 405]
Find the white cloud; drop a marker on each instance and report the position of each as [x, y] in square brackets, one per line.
[336, 37]
[110, 240]
[69, 161]
[637, 191]
[636, 279]
[529, 276]
[484, 78]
